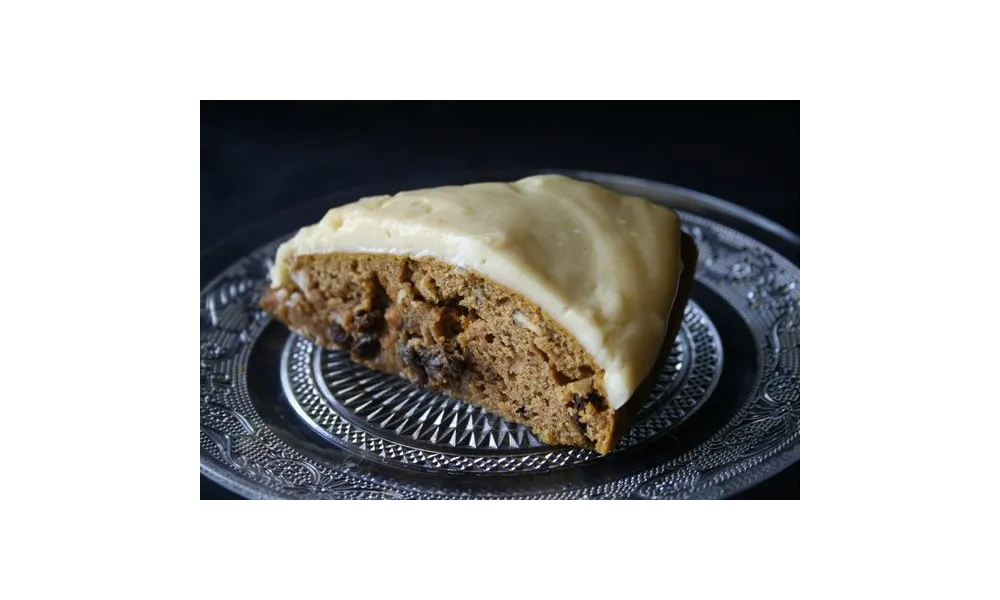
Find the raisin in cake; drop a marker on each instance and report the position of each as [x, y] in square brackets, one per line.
[546, 301]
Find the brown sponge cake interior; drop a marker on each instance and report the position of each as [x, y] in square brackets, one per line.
[454, 330]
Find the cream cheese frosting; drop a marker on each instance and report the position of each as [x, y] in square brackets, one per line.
[602, 265]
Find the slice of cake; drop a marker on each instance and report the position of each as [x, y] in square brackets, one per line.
[546, 301]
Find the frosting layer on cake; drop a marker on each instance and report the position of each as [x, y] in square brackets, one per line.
[602, 265]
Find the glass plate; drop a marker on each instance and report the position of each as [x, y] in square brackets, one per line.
[281, 418]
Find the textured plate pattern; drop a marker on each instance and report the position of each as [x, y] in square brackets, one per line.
[370, 412]
[242, 452]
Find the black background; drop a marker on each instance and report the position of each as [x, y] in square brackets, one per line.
[260, 157]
